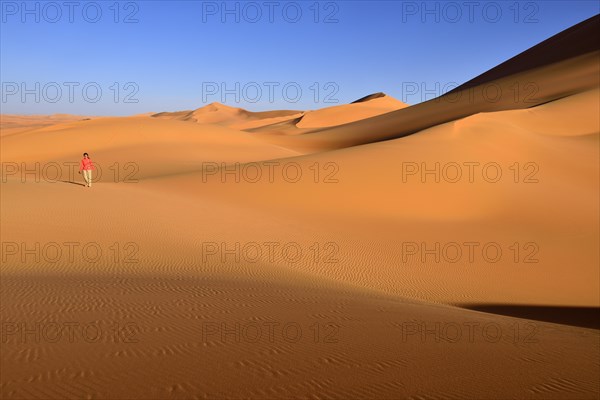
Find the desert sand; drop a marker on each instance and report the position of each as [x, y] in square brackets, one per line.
[446, 250]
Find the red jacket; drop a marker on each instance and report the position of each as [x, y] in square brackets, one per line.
[86, 164]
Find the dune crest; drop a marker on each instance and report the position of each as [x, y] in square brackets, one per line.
[521, 84]
[366, 107]
[221, 114]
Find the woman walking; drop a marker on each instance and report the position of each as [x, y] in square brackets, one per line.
[86, 166]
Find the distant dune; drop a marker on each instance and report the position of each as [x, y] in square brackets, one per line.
[361, 109]
[238, 118]
[221, 114]
[10, 124]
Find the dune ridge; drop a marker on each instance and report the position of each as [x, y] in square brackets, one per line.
[221, 114]
[522, 82]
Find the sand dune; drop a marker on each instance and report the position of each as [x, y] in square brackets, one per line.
[306, 122]
[522, 84]
[157, 147]
[542, 144]
[10, 124]
[338, 115]
[221, 114]
[530, 88]
[332, 233]
[268, 123]
[570, 43]
[238, 118]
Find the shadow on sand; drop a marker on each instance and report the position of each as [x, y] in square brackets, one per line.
[585, 317]
[74, 183]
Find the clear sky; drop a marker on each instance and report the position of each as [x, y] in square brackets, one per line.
[128, 57]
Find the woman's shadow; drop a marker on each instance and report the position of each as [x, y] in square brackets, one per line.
[74, 183]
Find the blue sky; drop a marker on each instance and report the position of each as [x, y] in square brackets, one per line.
[128, 57]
